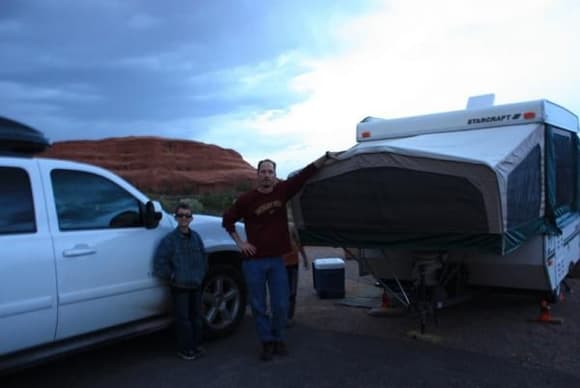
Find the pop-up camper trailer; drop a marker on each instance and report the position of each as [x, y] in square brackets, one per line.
[490, 195]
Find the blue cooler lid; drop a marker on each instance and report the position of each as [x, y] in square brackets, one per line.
[329, 263]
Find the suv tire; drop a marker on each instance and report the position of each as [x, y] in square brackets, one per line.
[223, 300]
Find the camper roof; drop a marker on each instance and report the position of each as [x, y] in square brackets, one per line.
[372, 128]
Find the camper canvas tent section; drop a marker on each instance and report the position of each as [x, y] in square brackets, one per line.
[486, 179]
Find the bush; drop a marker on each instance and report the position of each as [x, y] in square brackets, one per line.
[209, 203]
[216, 203]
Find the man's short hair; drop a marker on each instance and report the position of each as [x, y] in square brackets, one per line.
[266, 161]
[182, 206]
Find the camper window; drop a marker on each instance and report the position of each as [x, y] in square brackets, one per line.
[565, 167]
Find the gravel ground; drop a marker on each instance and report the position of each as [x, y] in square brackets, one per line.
[498, 325]
[485, 342]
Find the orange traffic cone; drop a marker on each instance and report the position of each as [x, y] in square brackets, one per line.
[546, 314]
[386, 308]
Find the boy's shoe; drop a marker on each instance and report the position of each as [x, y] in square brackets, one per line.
[187, 354]
[280, 348]
[267, 350]
[199, 351]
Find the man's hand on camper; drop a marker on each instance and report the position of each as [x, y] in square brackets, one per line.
[332, 155]
[327, 158]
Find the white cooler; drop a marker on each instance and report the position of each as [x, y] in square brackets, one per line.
[328, 277]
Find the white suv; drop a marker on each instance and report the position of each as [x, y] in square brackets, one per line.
[76, 250]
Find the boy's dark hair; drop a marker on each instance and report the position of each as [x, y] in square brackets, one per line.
[183, 206]
[266, 161]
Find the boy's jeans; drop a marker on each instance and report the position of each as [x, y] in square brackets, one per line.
[269, 272]
[188, 320]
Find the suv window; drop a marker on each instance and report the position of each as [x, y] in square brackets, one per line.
[88, 201]
[16, 204]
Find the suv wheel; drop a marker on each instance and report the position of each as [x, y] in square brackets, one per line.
[223, 300]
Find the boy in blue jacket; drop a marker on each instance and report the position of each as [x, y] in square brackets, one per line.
[181, 259]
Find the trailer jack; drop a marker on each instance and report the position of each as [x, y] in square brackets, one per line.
[434, 284]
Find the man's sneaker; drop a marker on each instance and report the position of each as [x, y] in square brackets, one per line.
[187, 355]
[280, 348]
[266, 353]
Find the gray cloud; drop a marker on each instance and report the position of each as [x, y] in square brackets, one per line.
[99, 68]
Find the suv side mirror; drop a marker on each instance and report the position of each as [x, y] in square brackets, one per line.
[152, 216]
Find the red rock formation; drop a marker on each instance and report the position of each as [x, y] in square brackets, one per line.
[162, 166]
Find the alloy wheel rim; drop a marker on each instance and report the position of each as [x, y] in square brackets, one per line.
[221, 302]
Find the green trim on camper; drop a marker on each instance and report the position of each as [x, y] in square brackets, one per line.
[501, 244]
[415, 241]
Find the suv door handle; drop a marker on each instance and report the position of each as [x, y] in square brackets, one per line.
[79, 250]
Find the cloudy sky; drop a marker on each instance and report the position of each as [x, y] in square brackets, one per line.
[274, 78]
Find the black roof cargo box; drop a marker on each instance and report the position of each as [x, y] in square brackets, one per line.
[17, 138]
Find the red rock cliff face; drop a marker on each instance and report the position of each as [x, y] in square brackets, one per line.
[162, 166]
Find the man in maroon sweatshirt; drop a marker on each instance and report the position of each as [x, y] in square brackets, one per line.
[263, 211]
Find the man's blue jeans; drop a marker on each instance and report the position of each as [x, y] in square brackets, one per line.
[261, 273]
